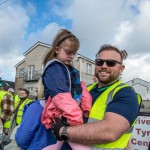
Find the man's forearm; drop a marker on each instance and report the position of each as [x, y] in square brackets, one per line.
[91, 133]
[105, 131]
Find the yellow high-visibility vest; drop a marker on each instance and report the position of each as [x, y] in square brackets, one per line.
[21, 109]
[16, 101]
[97, 113]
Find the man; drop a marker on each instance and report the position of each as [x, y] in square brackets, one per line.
[115, 107]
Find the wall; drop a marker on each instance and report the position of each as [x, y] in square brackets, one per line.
[19, 81]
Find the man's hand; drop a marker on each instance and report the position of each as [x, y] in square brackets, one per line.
[56, 127]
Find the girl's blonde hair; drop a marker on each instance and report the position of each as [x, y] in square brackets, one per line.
[61, 36]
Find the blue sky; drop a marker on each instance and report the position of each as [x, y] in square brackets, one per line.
[124, 23]
[45, 10]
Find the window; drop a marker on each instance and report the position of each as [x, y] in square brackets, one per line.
[21, 72]
[89, 69]
[30, 72]
[30, 89]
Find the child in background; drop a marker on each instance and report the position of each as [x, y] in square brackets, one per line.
[66, 96]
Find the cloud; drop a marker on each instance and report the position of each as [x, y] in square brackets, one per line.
[31, 10]
[45, 35]
[138, 39]
[124, 31]
[137, 68]
[12, 31]
[7, 69]
[13, 28]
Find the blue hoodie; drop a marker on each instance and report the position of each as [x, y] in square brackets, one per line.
[32, 135]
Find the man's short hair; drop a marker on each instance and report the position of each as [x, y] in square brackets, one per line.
[123, 54]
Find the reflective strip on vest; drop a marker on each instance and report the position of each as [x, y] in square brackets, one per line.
[94, 148]
[20, 110]
[97, 113]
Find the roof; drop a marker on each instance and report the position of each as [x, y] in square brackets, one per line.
[30, 49]
[35, 45]
[81, 56]
[140, 82]
[20, 62]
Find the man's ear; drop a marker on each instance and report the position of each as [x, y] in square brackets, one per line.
[56, 49]
[122, 67]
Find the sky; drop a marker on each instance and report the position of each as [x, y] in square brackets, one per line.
[123, 23]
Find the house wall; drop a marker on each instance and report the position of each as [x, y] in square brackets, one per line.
[143, 88]
[19, 81]
[35, 57]
[81, 64]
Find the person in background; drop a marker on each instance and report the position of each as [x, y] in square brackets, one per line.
[6, 110]
[32, 134]
[115, 107]
[66, 96]
[11, 91]
[17, 98]
[24, 100]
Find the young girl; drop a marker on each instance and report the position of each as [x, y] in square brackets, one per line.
[66, 96]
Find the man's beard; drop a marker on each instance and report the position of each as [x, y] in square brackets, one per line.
[110, 79]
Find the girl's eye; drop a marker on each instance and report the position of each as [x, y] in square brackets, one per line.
[69, 52]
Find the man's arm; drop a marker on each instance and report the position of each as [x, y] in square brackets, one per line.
[107, 130]
[7, 107]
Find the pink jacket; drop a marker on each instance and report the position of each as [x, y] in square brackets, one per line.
[64, 105]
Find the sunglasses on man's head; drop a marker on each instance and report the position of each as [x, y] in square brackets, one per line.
[109, 62]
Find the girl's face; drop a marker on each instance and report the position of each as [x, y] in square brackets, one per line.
[65, 52]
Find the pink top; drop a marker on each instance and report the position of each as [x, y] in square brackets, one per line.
[64, 104]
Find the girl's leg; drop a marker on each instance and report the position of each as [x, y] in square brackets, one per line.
[56, 146]
[76, 146]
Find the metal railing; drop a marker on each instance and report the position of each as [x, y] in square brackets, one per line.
[32, 76]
